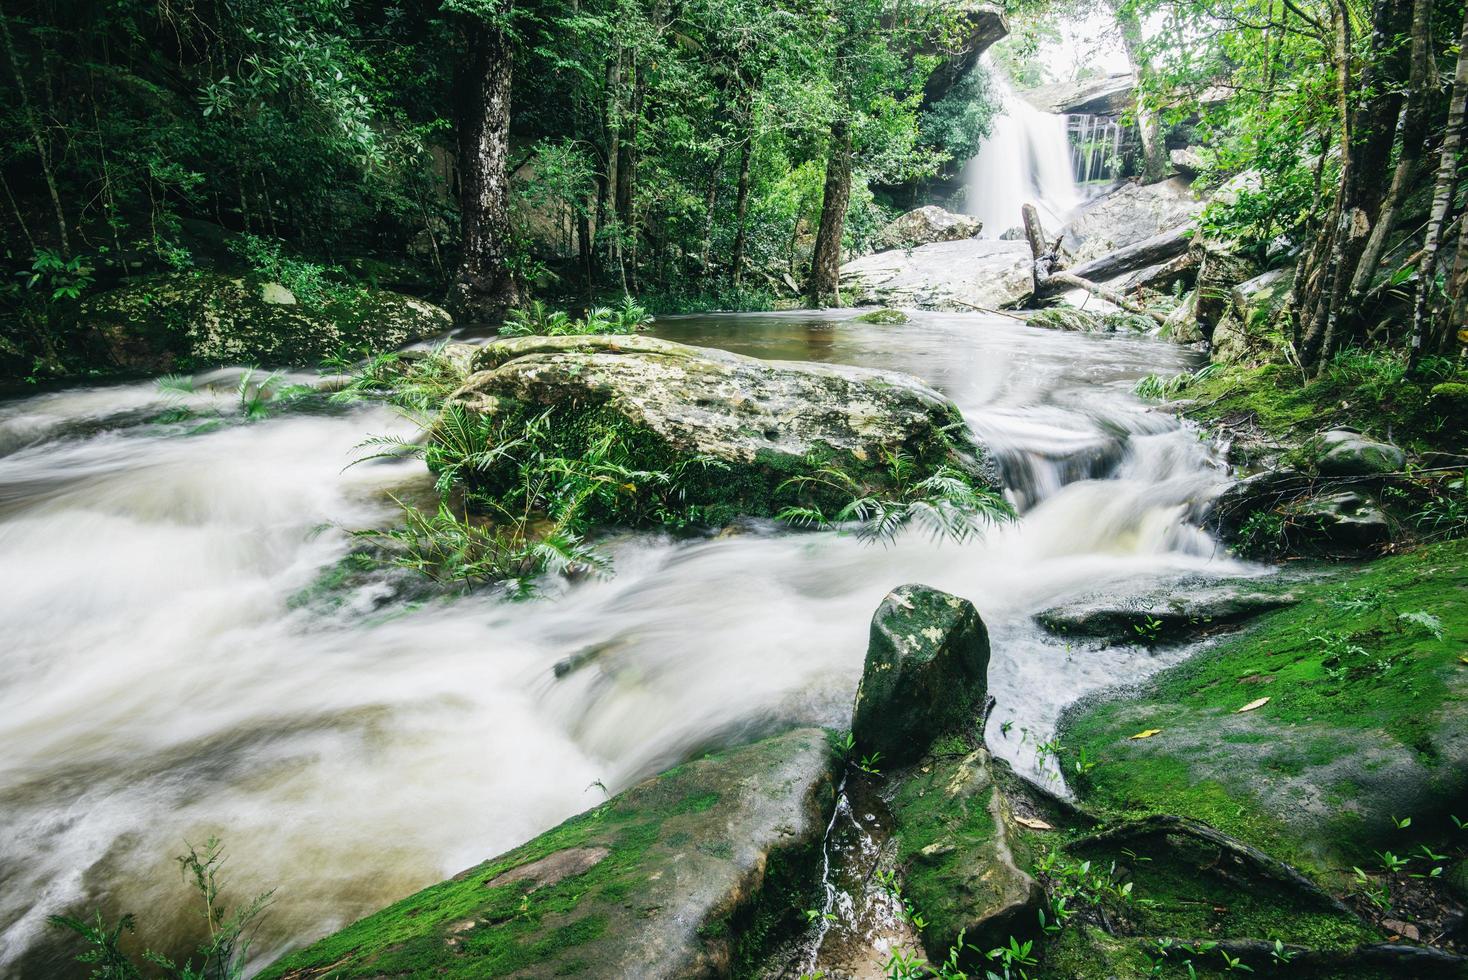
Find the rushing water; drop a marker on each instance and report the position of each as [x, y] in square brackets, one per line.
[160, 684]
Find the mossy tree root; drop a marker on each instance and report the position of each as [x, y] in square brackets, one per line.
[1250, 859]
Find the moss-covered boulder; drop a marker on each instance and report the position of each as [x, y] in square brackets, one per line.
[1342, 452]
[184, 320]
[683, 875]
[955, 846]
[926, 674]
[1247, 330]
[758, 423]
[886, 315]
[1312, 734]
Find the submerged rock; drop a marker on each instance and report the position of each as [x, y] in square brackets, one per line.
[885, 315]
[1186, 611]
[187, 320]
[926, 225]
[926, 674]
[675, 877]
[959, 275]
[758, 422]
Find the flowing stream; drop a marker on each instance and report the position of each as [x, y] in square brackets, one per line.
[163, 682]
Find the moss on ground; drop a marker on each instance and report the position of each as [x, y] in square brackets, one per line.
[1368, 695]
[1370, 391]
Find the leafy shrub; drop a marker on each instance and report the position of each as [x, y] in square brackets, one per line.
[946, 504]
[222, 957]
[537, 320]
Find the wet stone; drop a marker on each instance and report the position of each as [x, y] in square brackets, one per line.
[926, 674]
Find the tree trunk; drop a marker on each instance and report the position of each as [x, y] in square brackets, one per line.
[483, 287]
[1414, 147]
[1370, 133]
[37, 135]
[825, 263]
[1447, 181]
[741, 210]
[710, 201]
[1155, 162]
[607, 180]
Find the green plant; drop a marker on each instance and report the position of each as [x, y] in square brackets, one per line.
[310, 282]
[946, 504]
[1149, 630]
[221, 957]
[1262, 534]
[536, 320]
[59, 278]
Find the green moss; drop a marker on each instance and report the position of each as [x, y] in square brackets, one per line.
[886, 315]
[571, 918]
[1360, 699]
[1371, 391]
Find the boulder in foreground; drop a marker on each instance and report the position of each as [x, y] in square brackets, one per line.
[676, 877]
[926, 674]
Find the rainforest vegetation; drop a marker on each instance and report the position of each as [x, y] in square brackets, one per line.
[412, 408]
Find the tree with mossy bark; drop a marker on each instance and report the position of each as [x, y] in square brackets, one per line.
[484, 286]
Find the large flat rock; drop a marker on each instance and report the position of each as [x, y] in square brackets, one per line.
[676, 877]
[957, 275]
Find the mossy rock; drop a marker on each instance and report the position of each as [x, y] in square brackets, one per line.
[683, 875]
[926, 674]
[1367, 705]
[187, 320]
[885, 315]
[956, 849]
[739, 427]
[1182, 612]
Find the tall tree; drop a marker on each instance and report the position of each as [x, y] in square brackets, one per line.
[484, 286]
[1155, 162]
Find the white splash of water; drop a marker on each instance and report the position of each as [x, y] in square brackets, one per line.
[1025, 160]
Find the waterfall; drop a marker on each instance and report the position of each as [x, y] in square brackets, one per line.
[1025, 160]
[1095, 147]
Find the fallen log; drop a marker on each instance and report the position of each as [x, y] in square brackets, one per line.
[1047, 276]
[1149, 251]
[1101, 292]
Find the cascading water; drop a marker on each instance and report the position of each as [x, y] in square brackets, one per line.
[1095, 147]
[170, 673]
[1025, 160]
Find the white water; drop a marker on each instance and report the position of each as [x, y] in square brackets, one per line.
[1025, 160]
[158, 685]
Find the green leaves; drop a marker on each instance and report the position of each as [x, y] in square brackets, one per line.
[945, 504]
